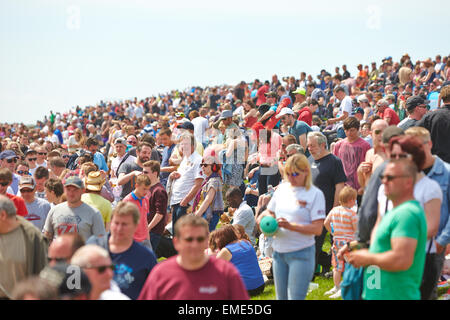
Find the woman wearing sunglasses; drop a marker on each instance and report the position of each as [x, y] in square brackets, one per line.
[208, 202]
[299, 208]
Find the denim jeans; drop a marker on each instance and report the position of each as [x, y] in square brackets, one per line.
[214, 220]
[177, 212]
[292, 272]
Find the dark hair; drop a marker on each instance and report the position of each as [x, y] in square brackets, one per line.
[351, 122]
[234, 192]
[55, 185]
[91, 142]
[41, 172]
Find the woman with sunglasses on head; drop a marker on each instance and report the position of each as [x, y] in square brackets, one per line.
[208, 202]
[299, 208]
[426, 191]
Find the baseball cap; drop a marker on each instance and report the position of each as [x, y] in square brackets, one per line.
[186, 125]
[390, 132]
[226, 114]
[26, 182]
[359, 110]
[74, 181]
[8, 154]
[285, 111]
[301, 91]
[120, 141]
[362, 98]
[414, 101]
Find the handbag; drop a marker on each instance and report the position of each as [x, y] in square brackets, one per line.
[352, 282]
[430, 274]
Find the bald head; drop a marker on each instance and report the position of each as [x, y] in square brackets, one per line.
[63, 247]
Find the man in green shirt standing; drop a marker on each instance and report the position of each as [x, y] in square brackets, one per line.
[396, 257]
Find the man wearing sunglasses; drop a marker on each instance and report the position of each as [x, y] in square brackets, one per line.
[22, 246]
[398, 244]
[96, 263]
[8, 159]
[37, 208]
[133, 261]
[41, 156]
[31, 158]
[192, 274]
[417, 107]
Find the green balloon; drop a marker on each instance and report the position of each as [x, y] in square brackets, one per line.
[268, 225]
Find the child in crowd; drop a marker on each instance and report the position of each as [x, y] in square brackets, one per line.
[342, 223]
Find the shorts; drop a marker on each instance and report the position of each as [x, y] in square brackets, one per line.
[337, 264]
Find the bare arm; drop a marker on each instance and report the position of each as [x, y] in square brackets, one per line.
[433, 214]
[314, 228]
[224, 254]
[267, 115]
[399, 258]
[208, 200]
[197, 185]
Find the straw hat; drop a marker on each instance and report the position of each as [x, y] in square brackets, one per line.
[94, 181]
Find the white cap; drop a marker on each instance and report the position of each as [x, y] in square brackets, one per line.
[284, 111]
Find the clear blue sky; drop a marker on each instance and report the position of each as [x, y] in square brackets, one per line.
[58, 53]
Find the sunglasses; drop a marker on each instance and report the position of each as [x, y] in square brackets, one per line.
[146, 172]
[204, 164]
[32, 159]
[42, 153]
[296, 174]
[132, 142]
[390, 178]
[198, 239]
[23, 172]
[66, 156]
[11, 160]
[4, 183]
[50, 259]
[26, 190]
[399, 156]
[101, 269]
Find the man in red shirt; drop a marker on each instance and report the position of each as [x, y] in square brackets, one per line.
[157, 211]
[192, 274]
[306, 113]
[387, 113]
[6, 177]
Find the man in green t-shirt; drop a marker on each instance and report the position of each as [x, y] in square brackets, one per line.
[396, 257]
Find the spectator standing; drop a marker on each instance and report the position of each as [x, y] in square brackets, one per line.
[37, 208]
[133, 262]
[341, 222]
[299, 208]
[22, 246]
[158, 201]
[192, 274]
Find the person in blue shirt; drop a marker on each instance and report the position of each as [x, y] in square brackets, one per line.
[99, 159]
[132, 261]
[240, 253]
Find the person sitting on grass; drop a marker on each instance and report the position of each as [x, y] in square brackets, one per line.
[242, 254]
[342, 223]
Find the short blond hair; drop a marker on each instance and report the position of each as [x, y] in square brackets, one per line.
[126, 208]
[296, 163]
[419, 132]
[346, 194]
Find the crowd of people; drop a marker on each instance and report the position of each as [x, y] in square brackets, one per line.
[162, 197]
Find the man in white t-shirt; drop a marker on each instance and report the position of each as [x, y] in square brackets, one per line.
[188, 178]
[120, 147]
[345, 110]
[200, 126]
